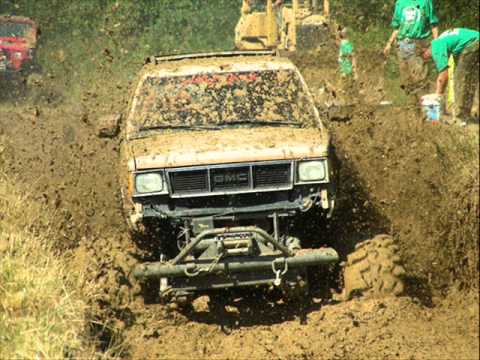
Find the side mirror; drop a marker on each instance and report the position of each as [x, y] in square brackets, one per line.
[108, 126]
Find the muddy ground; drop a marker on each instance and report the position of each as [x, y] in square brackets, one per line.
[397, 177]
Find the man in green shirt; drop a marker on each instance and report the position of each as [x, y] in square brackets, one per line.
[414, 21]
[463, 44]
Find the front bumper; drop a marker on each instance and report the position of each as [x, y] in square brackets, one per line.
[265, 261]
[291, 202]
[324, 256]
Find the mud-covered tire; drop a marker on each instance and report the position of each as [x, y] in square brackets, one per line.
[373, 270]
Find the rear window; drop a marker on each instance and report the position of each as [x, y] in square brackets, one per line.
[223, 99]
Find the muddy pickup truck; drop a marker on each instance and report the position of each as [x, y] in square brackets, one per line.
[226, 153]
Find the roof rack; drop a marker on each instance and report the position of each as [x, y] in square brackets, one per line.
[224, 54]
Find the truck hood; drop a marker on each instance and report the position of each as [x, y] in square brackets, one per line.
[171, 149]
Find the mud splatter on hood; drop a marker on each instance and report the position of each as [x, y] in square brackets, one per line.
[190, 148]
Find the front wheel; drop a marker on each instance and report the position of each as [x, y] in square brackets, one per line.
[373, 270]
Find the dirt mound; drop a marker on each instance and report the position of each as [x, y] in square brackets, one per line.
[54, 155]
[422, 182]
[400, 175]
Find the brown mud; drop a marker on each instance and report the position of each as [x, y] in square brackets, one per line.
[399, 175]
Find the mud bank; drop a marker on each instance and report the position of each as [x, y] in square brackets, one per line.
[423, 182]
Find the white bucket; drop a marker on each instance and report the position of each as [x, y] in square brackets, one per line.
[431, 108]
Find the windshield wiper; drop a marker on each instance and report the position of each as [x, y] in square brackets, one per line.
[180, 127]
[260, 123]
[145, 132]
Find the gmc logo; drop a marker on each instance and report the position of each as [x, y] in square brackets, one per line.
[230, 178]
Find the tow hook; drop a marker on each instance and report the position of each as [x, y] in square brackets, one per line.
[279, 272]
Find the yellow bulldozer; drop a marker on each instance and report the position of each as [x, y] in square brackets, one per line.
[283, 25]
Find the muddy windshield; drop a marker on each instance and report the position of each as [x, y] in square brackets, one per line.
[226, 99]
[14, 29]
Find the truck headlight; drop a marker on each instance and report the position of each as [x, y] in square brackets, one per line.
[312, 170]
[149, 183]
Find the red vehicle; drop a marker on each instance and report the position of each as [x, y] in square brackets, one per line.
[18, 40]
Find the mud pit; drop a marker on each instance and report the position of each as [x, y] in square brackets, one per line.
[392, 168]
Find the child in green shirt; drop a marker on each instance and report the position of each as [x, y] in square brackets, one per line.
[346, 59]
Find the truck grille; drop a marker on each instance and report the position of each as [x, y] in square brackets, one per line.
[189, 181]
[271, 175]
[231, 179]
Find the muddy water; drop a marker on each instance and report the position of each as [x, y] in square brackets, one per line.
[391, 166]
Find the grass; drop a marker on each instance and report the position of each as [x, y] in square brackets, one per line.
[43, 303]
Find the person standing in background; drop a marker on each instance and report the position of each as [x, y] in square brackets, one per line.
[347, 64]
[277, 7]
[346, 58]
[414, 21]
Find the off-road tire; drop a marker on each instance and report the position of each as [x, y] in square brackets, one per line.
[373, 270]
